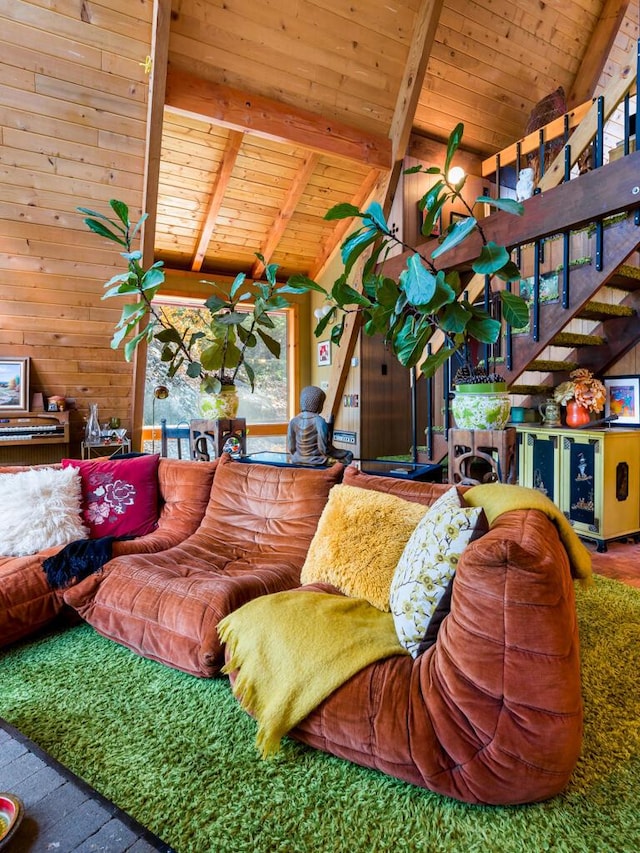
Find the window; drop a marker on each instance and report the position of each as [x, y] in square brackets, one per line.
[267, 405]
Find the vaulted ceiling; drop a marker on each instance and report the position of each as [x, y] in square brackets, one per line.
[276, 110]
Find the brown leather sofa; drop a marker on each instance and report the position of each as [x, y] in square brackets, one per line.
[492, 713]
[252, 540]
[28, 603]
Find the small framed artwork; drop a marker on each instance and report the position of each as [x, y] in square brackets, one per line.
[14, 385]
[454, 217]
[623, 400]
[324, 353]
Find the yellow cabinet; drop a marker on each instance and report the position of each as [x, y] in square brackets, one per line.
[593, 475]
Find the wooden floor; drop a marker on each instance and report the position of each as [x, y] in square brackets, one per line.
[621, 562]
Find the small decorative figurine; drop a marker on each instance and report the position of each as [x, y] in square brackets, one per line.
[524, 187]
[309, 436]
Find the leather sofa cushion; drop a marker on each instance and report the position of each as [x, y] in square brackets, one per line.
[492, 713]
[252, 541]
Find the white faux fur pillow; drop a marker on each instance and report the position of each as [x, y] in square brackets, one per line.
[40, 508]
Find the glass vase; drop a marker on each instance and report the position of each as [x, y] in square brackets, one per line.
[92, 434]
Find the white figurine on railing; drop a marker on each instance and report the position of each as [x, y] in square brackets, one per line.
[524, 187]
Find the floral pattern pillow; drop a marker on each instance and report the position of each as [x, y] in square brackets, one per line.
[428, 563]
[119, 497]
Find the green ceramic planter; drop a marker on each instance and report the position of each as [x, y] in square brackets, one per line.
[485, 405]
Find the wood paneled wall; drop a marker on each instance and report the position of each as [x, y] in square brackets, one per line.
[73, 113]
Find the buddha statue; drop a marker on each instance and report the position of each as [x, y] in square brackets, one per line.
[309, 435]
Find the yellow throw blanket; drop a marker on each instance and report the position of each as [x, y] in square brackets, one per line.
[498, 498]
[293, 649]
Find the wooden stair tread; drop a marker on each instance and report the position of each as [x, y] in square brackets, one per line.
[575, 339]
[626, 277]
[523, 390]
[547, 365]
[604, 311]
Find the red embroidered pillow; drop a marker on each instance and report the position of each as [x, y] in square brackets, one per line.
[119, 496]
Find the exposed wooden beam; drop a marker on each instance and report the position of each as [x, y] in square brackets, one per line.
[289, 205]
[424, 31]
[597, 52]
[272, 119]
[343, 225]
[159, 54]
[617, 88]
[229, 158]
[425, 23]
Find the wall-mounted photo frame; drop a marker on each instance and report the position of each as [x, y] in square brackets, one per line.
[623, 399]
[324, 353]
[14, 385]
[455, 216]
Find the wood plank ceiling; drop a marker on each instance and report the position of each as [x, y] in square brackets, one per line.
[275, 111]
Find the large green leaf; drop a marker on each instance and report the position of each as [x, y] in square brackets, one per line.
[194, 369]
[509, 272]
[152, 278]
[247, 337]
[410, 341]
[514, 309]
[215, 303]
[375, 213]
[386, 292]
[433, 362]
[456, 235]
[238, 281]
[492, 257]
[355, 245]
[417, 282]
[337, 331]
[251, 376]
[130, 346]
[455, 138]
[211, 356]
[454, 318]
[484, 329]
[324, 322]
[103, 231]
[169, 336]
[121, 211]
[96, 215]
[342, 211]
[231, 318]
[300, 284]
[271, 343]
[344, 294]
[510, 205]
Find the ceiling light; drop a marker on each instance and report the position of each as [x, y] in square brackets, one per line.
[455, 175]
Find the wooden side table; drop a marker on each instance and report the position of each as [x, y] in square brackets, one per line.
[110, 449]
[479, 455]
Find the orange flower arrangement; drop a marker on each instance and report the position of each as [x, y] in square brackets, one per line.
[584, 388]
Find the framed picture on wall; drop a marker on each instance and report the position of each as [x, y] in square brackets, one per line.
[324, 353]
[14, 385]
[455, 216]
[623, 399]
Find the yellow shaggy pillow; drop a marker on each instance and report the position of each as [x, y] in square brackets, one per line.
[360, 538]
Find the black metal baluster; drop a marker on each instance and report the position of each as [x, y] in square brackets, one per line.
[429, 429]
[535, 331]
[508, 343]
[566, 237]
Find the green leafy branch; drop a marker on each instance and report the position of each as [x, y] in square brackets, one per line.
[216, 356]
[423, 299]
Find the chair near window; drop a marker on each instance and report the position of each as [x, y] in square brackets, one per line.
[181, 434]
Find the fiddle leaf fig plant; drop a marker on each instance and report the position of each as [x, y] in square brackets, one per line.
[423, 299]
[216, 356]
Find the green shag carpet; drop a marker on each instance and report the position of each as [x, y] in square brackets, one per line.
[178, 754]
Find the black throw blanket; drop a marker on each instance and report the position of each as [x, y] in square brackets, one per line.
[78, 560]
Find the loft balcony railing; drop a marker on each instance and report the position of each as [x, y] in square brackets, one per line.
[596, 215]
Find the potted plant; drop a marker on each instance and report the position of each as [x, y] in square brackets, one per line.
[408, 310]
[216, 356]
[582, 394]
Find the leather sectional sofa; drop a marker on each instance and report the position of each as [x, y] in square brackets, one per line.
[491, 713]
